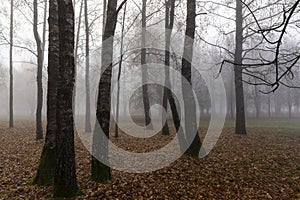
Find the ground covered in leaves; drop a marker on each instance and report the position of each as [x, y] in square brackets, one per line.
[263, 165]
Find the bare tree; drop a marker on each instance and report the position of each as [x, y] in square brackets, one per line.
[189, 102]
[46, 168]
[99, 171]
[88, 127]
[11, 67]
[169, 23]
[146, 100]
[76, 55]
[240, 122]
[40, 45]
[119, 72]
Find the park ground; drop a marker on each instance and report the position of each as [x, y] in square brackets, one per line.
[265, 164]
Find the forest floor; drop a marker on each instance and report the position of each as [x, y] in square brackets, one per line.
[265, 164]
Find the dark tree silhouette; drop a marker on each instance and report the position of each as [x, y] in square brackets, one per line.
[189, 102]
[46, 168]
[40, 63]
[146, 99]
[11, 67]
[99, 171]
[65, 182]
[88, 127]
[240, 122]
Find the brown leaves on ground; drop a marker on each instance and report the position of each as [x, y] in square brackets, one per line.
[263, 165]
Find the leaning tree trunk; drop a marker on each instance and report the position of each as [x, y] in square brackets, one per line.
[146, 99]
[88, 127]
[11, 67]
[99, 171]
[240, 121]
[167, 92]
[65, 182]
[40, 62]
[46, 168]
[189, 101]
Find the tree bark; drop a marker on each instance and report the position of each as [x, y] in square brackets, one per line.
[65, 182]
[189, 101]
[88, 127]
[46, 168]
[11, 67]
[240, 126]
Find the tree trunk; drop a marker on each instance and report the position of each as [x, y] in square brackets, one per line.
[146, 100]
[189, 101]
[169, 23]
[119, 74]
[65, 182]
[257, 101]
[231, 96]
[76, 57]
[99, 171]
[88, 127]
[104, 16]
[40, 62]
[240, 126]
[46, 168]
[11, 67]
[269, 106]
[290, 104]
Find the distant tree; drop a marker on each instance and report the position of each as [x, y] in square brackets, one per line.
[119, 72]
[65, 181]
[76, 54]
[11, 67]
[88, 127]
[2, 76]
[146, 100]
[40, 45]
